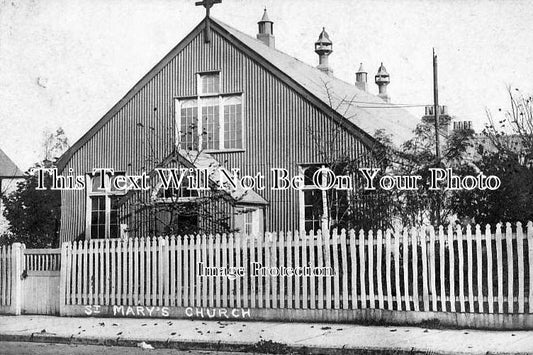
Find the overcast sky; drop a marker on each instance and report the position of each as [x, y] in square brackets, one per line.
[66, 63]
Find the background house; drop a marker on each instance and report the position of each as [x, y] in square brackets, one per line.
[10, 174]
[245, 105]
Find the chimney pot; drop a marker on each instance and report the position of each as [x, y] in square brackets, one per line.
[361, 77]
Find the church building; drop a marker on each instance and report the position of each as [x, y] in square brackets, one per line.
[224, 98]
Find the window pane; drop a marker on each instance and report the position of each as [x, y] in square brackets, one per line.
[189, 125]
[248, 223]
[98, 217]
[308, 175]
[232, 126]
[96, 183]
[210, 124]
[114, 222]
[209, 84]
[187, 217]
[173, 194]
[312, 209]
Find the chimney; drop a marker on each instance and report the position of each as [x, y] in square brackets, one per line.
[382, 80]
[266, 31]
[361, 78]
[324, 47]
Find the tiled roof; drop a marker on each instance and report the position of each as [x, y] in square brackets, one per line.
[7, 167]
[348, 100]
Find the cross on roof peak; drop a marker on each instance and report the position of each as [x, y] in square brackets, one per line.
[208, 4]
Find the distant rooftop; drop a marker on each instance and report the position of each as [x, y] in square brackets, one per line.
[7, 167]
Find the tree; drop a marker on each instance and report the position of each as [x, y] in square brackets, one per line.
[511, 202]
[34, 215]
[180, 211]
[352, 208]
[505, 151]
[54, 144]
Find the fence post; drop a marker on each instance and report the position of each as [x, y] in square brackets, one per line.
[62, 279]
[17, 263]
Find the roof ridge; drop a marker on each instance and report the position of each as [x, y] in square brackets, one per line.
[318, 71]
[339, 95]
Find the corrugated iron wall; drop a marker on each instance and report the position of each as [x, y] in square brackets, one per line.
[142, 132]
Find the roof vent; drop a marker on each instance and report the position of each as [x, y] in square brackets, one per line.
[266, 31]
[324, 47]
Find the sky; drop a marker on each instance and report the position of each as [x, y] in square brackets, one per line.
[65, 63]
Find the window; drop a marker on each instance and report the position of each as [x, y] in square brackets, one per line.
[172, 194]
[210, 124]
[102, 219]
[210, 121]
[233, 123]
[311, 202]
[209, 83]
[187, 219]
[189, 123]
[249, 221]
[177, 208]
[317, 207]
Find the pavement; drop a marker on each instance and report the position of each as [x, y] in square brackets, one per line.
[256, 337]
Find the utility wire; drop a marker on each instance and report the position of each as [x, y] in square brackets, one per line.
[388, 103]
[392, 106]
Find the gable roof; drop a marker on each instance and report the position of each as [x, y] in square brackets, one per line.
[8, 169]
[202, 160]
[347, 99]
[306, 79]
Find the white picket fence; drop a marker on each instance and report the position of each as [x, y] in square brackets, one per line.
[11, 270]
[6, 276]
[453, 270]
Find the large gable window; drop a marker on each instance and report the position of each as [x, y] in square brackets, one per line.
[210, 121]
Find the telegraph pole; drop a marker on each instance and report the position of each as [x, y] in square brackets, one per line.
[436, 106]
[436, 113]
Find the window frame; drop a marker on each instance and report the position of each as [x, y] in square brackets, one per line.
[159, 188]
[222, 99]
[257, 220]
[327, 213]
[301, 196]
[108, 194]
